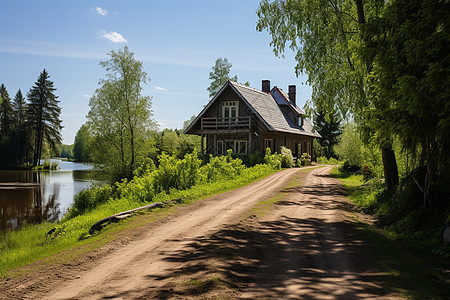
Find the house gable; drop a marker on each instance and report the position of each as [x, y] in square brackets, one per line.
[214, 108]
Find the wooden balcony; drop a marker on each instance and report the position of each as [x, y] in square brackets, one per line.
[214, 124]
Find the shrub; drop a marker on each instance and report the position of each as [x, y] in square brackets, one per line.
[366, 171]
[255, 158]
[322, 160]
[305, 159]
[86, 200]
[221, 167]
[273, 160]
[287, 160]
[349, 168]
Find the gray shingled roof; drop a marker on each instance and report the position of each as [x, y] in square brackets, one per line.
[266, 106]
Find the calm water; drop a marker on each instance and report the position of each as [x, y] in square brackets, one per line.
[28, 197]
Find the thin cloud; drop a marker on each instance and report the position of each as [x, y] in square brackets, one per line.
[159, 88]
[113, 36]
[100, 11]
[87, 96]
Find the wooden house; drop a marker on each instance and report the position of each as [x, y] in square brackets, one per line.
[246, 119]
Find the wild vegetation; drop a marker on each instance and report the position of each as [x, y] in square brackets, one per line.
[384, 66]
[186, 179]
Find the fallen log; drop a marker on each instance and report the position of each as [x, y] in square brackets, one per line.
[122, 215]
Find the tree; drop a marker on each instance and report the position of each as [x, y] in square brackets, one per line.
[6, 112]
[6, 118]
[43, 113]
[329, 127]
[119, 115]
[219, 76]
[329, 38]
[21, 136]
[411, 74]
[82, 145]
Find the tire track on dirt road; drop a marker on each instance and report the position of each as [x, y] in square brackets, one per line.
[124, 272]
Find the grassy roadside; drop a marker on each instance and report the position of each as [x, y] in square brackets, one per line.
[32, 243]
[413, 274]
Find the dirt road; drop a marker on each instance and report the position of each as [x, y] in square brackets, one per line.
[306, 247]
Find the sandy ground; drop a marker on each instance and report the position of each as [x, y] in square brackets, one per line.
[306, 247]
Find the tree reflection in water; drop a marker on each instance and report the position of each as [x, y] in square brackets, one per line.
[23, 199]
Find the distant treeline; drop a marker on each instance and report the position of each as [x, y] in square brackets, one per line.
[29, 127]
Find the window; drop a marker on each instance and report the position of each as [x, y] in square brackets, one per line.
[220, 148]
[230, 109]
[238, 147]
[229, 145]
[241, 147]
[300, 121]
[268, 143]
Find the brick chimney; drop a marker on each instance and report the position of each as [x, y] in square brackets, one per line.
[292, 94]
[266, 86]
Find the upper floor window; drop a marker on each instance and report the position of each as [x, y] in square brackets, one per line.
[230, 109]
[300, 121]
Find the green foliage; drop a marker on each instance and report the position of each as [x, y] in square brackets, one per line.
[273, 160]
[355, 153]
[328, 125]
[366, 171]
[32, 243]
[87, 200]
[83, 143]
[255, 158]
[119, 118]
[324, 161]
[287, 160]
[221, 168]
[305, 159]
[42, 116]
[219, 76]
[401, 213]
[66, 151]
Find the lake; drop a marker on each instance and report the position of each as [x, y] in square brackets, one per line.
[29, 197]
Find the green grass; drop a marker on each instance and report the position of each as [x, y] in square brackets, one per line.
[412, 274]
[22, 247]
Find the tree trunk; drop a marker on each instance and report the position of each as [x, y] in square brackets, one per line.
[390, 168]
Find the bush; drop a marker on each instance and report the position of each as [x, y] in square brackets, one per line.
[305, 159]
[86, 200]
[349, 168]
[322, 160]
[287, 160]
[221, 167]
[366, 171]
[273, 160]
[255, 158]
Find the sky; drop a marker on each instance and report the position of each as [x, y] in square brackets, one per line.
[177, 41]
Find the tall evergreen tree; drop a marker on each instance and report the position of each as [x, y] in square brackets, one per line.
[329, 127]
[19, 107]
[43, 113]
[6, 112]
[220, 75]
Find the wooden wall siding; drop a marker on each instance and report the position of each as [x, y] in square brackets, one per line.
[289, 141]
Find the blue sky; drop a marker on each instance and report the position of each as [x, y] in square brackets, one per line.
[178, 41]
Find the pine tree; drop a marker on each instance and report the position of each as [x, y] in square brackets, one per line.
[6, 112]
[20, 138]
[43, 113]
[329, 127]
